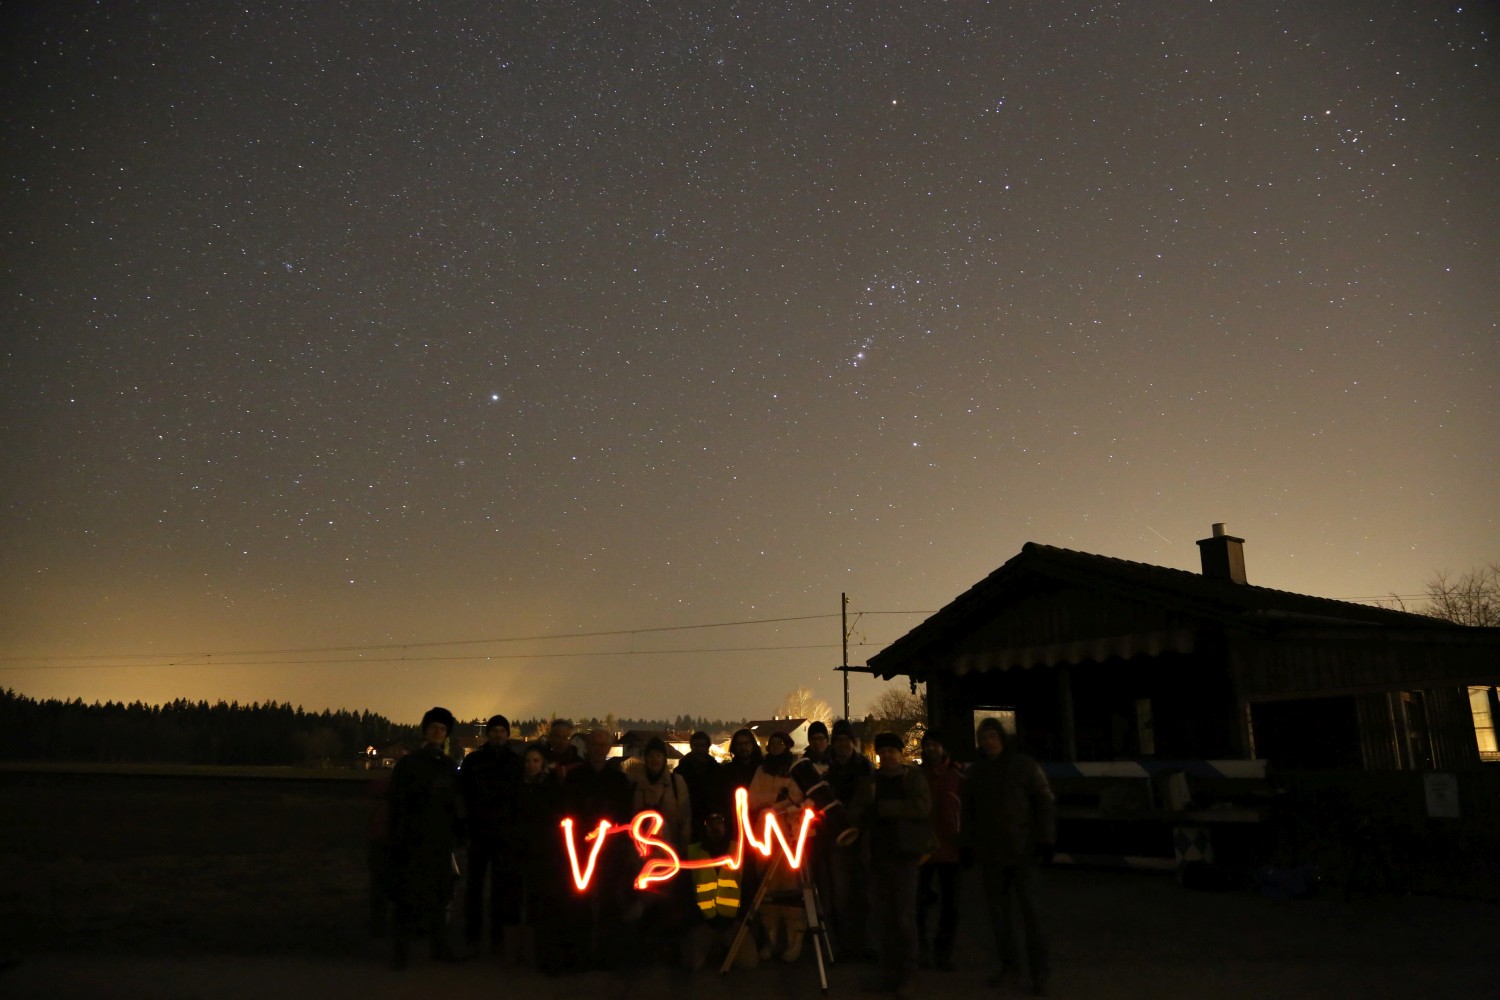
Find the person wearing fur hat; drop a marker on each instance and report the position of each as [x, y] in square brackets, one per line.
[426, 828]
[489, 778]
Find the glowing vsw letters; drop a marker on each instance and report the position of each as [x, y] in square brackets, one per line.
[645, 830]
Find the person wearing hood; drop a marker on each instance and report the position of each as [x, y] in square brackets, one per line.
[426, 828]
[656, 786]
[744, 760]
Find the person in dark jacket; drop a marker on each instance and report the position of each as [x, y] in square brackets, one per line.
[1009, 828]
[595, 790]
[818, 751]
[537, 852]
[744, 760]
[562, 755]
[847, 863]
[426, 817]
[704, 781]
[937, 880]
[892, 811]
[809, 773]
[488, 778]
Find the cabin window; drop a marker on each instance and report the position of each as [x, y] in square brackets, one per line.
[1482, 702]
[1145, 727]
[1414, 721]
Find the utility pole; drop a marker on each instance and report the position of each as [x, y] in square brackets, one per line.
[844, 630]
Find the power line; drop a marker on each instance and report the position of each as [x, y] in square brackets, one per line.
[1384, 597]
[429, 644]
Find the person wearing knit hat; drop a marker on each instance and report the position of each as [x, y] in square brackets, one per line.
[426, 824]
[438, 716]
[817, 746]
[490, 778]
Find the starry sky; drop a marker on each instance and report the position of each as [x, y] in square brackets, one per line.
[478, 353]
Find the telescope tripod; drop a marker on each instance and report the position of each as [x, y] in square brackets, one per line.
[806, 894]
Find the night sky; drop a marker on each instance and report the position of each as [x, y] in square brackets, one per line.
[352, 332]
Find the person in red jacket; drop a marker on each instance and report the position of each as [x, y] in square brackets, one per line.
[937, 879]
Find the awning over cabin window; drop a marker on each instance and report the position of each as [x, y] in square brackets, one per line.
[1092, 650]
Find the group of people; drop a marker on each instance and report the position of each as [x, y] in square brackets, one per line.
[888, 847]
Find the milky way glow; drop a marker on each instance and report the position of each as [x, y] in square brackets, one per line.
[646, 826]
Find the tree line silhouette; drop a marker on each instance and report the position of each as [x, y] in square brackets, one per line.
[189, 732]
[228, 733]
[536, 727]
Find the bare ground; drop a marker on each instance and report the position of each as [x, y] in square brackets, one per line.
[229, 889]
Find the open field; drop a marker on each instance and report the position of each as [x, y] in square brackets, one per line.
[143, 862]
[139, 886]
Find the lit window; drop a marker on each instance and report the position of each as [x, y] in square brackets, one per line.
[1482, 706]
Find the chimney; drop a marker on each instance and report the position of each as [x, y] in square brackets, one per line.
[1223, 556]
